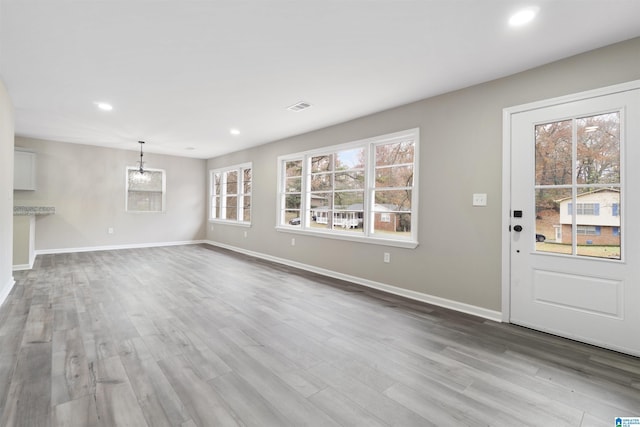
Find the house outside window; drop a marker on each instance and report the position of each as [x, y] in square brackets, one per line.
[363, 190]
[597, 219]
[230, 194]
[146, 192]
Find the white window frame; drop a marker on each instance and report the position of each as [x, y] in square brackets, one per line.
[368, 235]
[164, 190]
[239, 219]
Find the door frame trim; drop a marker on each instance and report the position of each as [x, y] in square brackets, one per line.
[506, 172]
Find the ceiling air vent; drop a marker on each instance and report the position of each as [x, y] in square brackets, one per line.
[299, 106]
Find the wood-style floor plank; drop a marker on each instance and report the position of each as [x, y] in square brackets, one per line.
[194, 336]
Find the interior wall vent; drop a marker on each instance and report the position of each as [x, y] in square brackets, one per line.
[299, 106]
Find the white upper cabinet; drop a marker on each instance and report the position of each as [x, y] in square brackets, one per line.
[24, 170]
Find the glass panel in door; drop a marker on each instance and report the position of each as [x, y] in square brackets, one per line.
[578, 186]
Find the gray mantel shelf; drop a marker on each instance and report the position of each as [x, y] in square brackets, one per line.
[33, 210]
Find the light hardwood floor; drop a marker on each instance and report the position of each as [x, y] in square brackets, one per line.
[198, 336]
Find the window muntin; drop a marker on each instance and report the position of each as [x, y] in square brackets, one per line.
[578, 186]
[230, 194]
[146, 191]
[363, 189]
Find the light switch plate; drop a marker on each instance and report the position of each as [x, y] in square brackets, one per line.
[480, 199]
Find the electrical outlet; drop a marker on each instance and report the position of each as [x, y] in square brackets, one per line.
[245, 234]
[110, 230]
[211, 227]
[387, 257]
[480, 199]
[293, 241]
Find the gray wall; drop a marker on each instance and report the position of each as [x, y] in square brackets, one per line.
[459, 256]
[86, 185]
[6, 192]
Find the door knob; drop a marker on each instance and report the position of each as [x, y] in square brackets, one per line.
[517, 228]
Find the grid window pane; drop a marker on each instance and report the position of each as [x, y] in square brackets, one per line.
[553, 153]
[323, 163]
[231, 212]
[393, 200]
[292, 217]
[394, 176]
[350, 159]
[598, 149]
[293, 168]
[553, 221]
[349, 180]
[577, 185]
[321, 181]
[232, 182]
[350, 200]
[293, 201]
[232, 201]
[246, 209]
[293, 185]
[395, 154]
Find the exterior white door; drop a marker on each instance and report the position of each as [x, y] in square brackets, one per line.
[574, 241]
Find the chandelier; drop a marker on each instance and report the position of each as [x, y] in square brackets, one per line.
[139, 175]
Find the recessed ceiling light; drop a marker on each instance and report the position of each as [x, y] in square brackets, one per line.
[190, 148]
[234, 132]
[523, 16]
[104, 106]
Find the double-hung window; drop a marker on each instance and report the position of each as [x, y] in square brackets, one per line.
[230, 194]
[362, 190]
[145, 191]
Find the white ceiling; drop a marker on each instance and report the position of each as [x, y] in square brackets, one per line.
[180, 74]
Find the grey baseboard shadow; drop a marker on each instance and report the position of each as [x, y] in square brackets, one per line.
[485, 313]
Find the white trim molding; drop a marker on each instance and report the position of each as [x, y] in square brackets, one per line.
[506, 171]
[6, 290]
[413, 295]
[116, 247]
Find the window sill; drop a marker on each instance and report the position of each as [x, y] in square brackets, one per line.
[225, 222]
[408, 244]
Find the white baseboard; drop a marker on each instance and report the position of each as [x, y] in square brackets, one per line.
[20, 267]
[5, 290]
[32, 259]
[116, 247]
[417, 296]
